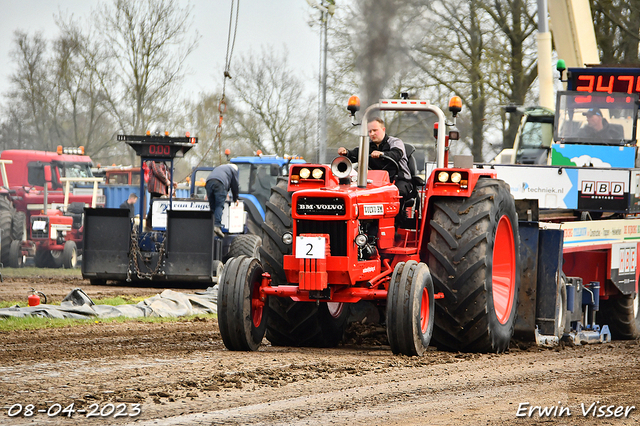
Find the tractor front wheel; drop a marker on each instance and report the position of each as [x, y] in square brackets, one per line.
[242, 316]
[70, 255]
[410, 309]
[474, 260]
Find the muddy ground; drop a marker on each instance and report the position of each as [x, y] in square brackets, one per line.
[181, 374]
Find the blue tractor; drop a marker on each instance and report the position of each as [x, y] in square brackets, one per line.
[258, 174]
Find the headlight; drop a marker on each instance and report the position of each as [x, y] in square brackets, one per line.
[287, 238]
[317, 173]
[305, 173]
[456, 177]
[361, 240]
[443, 177]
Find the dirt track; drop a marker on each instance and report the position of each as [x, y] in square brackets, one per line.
[180, 373]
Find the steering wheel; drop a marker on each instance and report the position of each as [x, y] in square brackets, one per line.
[390, 162]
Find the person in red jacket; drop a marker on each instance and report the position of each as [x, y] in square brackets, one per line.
[157, 185]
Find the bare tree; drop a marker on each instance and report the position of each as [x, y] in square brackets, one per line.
[30, 91]
[272, 112]
[512, 60]
[148, 42]
[81, 116]
[617, 26]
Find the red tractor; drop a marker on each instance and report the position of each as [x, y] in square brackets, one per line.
[46, 205]
[330, 241]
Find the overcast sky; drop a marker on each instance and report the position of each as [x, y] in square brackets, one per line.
[275, 23]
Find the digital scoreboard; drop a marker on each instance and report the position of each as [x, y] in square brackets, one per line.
[604, 80]
[151, 146]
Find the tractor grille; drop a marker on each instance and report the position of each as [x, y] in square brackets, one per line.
[337, 230]
[38, 230]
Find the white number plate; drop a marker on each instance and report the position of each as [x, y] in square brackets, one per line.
[310, 247]
[39, 225]
[372, 209]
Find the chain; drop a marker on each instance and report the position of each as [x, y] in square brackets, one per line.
[135, 252]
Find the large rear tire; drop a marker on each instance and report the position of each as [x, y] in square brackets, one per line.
[277, 222]
[43, 259]
[474, 260]
[247, 244]
[7, 212]
[622, 315]
[242, 316]
[410, 309]
[306, 324]
[18, 226]
[16, 259]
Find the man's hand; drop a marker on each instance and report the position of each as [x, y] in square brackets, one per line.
[342, 151]
[377, 154]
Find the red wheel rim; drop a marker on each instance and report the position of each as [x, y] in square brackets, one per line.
[424, 311]
[503, 275]
[257, 305]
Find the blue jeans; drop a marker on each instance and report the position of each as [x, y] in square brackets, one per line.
[217, 195]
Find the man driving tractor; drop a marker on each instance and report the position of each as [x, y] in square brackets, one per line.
[381, 144]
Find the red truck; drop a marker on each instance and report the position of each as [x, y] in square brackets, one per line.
[34, 182]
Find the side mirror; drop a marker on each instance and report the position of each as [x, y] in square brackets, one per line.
[47, 173]
[274, 170]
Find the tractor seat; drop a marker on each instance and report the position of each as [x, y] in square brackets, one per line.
[76, 211]
[416, 181]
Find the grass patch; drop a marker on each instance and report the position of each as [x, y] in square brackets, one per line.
[33, 323]
[31, 271]
[11, 304]
[111, 301]
[119, 300]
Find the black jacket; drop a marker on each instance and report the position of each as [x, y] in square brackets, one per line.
[392, 147]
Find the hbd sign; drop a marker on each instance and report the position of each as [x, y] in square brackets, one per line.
[602, 189]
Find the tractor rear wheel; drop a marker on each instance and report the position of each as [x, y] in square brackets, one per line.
[306, 324]
[474, 260]
[622, 315]
[277, 222]
[410, 309]
[18, 226]
[242, 316]
[246, 244]
[56, 257]
[6, 218]
[43, 259]
[16, 259]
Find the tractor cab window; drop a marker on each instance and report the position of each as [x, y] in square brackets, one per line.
[536, 135]
[118, 178]
[244, 177]
[615, 118]
[199, 182]
[35, 174]
[75, 170]
[262, 180]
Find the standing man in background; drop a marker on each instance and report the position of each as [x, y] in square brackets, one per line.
[129, 204]
[221, 179]
[158, 184]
